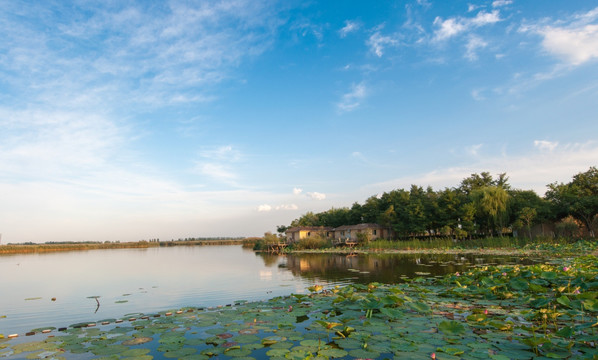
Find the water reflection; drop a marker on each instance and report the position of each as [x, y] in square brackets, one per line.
[386, 268]
[155, 279]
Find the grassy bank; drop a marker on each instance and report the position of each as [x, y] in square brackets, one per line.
[499, 245]
[74, 246]
[499, 312]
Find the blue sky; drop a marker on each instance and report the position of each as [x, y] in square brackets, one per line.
[135, 120]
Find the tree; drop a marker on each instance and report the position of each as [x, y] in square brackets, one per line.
[527, 216]
[475, 182]
[578, 198]
[491, 204]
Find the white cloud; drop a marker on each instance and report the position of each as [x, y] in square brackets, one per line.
[472, 7]
[287, 207]
[297, 191]
[217, 163]
[574, 39]
[316, 195]
[424, 3]
[473, 149]
[222, 153]
[284, 207]
[217, 171]
[264, 208]
[473, 44]
[352, 100]
[500, 3]
[532, 170]
[378, 42]
[477, 95]
[454, 26]
[350, 26]
[545, 145]
[574, 45]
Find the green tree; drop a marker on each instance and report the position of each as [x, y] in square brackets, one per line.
[578, 198]
[527, 217]
[484, 179]
[491, 205]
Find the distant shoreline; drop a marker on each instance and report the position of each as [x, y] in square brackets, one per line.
[11, 249]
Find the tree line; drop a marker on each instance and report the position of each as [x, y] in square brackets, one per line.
[482, 205]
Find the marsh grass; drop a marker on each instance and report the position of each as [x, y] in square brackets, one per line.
[82, 246]
[447, 243]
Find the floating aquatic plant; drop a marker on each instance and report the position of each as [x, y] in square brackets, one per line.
[500, 312]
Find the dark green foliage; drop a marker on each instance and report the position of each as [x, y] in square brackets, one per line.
[480, 206]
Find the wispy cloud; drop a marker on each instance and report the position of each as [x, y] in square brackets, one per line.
[501, 3]
[217, 163]
[378, 42]
[160, 56]
[474, 149]
[532, 170]
[297, 191]
[350, 26]
[454, 26]
[546, 145]
[316, 195]
[473, 44]
[477, 94]
[352, 100]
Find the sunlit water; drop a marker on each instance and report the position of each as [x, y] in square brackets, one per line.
[128, 281]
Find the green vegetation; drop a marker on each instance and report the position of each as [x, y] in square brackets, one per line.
[547, 310]
[481, 206]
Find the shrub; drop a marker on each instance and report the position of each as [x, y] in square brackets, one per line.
[313, 242]
[364, 238]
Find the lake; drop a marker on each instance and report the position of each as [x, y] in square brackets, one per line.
[132, 281]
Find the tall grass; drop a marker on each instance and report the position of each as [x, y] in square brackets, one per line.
[447, 243]
[74, 246]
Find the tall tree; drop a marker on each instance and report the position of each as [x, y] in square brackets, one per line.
[578, 198]
[491, 204]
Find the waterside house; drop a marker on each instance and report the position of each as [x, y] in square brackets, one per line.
[297, 233]
[339, 234]
[351, 232]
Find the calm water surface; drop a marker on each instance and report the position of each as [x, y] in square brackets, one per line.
[128, 281]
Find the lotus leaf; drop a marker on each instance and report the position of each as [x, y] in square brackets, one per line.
[333, 353]
[195, 357]
[420, 307]
[451, 328]
[364, 354]
[140, 357]
[179, 353]
[519, 284]
[135, 352]
[137, 341]
[282, 345]
[108, 350]
[246, 339]
[277, 352]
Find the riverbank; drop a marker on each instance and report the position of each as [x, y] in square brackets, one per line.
[74, 246]
[501, 312]
[555, 247]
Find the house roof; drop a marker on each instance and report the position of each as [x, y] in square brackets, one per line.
[358, 227]
[309, 228]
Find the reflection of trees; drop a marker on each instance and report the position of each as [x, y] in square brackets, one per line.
[386, 268]
[268, 258]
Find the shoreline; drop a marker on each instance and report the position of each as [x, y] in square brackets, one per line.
[494, 312]
[14, 249]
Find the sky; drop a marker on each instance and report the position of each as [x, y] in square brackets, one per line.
[130, 120]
